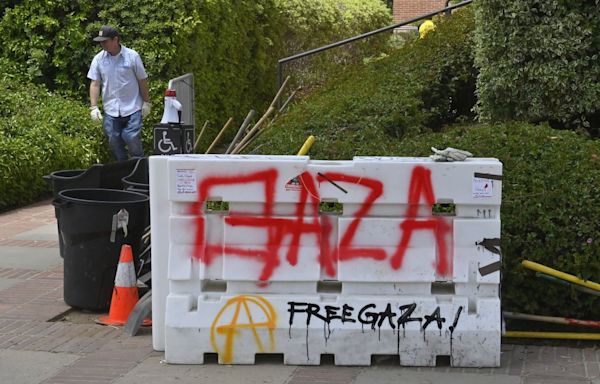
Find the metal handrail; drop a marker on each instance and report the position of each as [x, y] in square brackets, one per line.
[297, 56]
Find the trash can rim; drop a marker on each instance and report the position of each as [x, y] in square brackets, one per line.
[76, 173]
[140, 196]
[126, 179]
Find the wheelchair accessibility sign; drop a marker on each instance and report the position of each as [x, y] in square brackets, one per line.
[172, 139]
[188, 141]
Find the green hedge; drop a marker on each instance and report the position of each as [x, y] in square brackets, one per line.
[50, 41]
[420, 87]
[550, 180]
[232, 48]
[539, 60]
[551, 177]
[314, 23]
[41, 133]
[229, 54]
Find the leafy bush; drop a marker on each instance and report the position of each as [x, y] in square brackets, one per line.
[229, 53]
[420, 87]
[314, 23]
[550, 176]
[232, 48]
[309, 24]
[550, 179]
[539, 60]
[49, 41]
[41, 133]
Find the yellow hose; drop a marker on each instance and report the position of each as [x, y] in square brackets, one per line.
[561, 275]
[552, 335]
[306, 146]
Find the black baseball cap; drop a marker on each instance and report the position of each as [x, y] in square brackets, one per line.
[106, 32]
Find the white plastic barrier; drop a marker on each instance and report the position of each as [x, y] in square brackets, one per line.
[273, 274]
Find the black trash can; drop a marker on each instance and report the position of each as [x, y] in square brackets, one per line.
[74, 178]
[112, 173]
[138, 180]
[97, 176]
[92, 245]
[69, 179]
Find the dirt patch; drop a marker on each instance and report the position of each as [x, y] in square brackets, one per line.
[78, 316]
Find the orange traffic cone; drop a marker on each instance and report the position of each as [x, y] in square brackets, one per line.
[125, 293]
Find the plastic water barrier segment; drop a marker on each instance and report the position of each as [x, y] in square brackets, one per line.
[374, 256]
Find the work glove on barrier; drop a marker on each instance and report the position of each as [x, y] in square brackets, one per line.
[95, 113]
[450, 154]
[146, 109]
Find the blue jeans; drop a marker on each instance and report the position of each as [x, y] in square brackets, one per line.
[121, 131]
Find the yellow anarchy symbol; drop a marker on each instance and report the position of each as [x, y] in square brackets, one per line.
[221, 326]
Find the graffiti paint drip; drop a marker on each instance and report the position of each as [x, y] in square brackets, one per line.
[452, 328]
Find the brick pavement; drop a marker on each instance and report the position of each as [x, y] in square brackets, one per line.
[27, 307]
[105, 355]
[24, 219]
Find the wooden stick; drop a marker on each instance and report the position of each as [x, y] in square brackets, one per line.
[278, 95]
[288, 100]
[556, 280]
[259, 133]
[200, 135]
[249, 135]
[264, 129]
[240, 132]
[260, 122]
[245, 145]
[553, 335]
[561, 275]
[551, 319]
[216, 140]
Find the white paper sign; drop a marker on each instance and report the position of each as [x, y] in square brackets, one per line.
[482, 187]
[186, 181]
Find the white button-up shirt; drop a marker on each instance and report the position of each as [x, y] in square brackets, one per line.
[119, 76]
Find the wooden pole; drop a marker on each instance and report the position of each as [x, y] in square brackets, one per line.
[556, 280]
[279, 92]
[288, 100]
[561, 275]
[216, 140]
[245, 141]
[245, 145]
[200, 135]
[249, 135]
[240, 132]
[552, 335]
[551, 319]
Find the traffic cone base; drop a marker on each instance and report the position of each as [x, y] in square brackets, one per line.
[106, 320]
[125, 293]
[119, 313]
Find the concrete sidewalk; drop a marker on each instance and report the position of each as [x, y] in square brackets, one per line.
[43, 341]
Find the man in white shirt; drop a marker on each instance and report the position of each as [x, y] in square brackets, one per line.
[120, 73]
